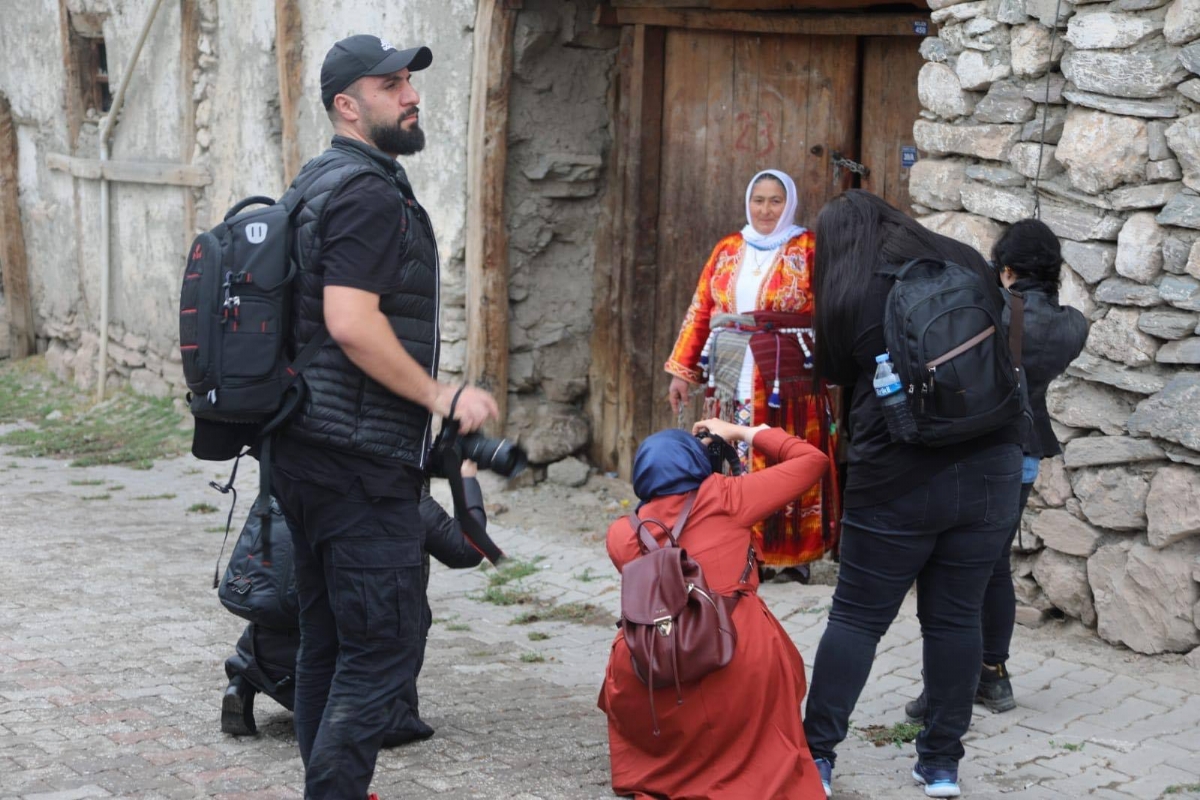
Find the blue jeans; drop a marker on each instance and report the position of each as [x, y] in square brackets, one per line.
[946, 535]
[358, 575]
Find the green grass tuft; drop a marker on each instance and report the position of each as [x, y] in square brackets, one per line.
[96, 497]
[458, 627]
[124, 429]
[532, 658]
[202, 508]
[898, 734]
[166, 496]
[538, 636]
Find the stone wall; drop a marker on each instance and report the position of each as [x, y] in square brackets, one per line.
[1110, 536]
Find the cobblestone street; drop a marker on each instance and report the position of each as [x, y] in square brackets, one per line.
[112, 643]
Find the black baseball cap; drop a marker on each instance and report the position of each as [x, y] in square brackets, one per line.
[363, 54]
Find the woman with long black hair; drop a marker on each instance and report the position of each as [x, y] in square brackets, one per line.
[935, 515]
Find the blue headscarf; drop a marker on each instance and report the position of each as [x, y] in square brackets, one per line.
[669, 462]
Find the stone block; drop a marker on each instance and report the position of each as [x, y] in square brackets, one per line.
[1052, 484]
[1182, 210]
[1080, 224]
[1064, 580]
[1088, 405]
[1026, 157]
[1118, 338]
[1005, 102]
[1050, 13]
[1189, 57]
[1104, 30]
[1093, 261]
[1182, 23]
[1173, 414]
[1193, 262]
[989, 142]
[1184, 351]
[1095, 451]
[1181, 291]
[934, 49]
[1139, 248]
[1156, 131]
[548, 431]
[940, 91]
[1168, 325]
[1173, 505]
[957, 11]
[150, 384]
[1145, 381]
[1030, 617]
[978, 232]
[937, 183]
[1190, 89]
[1144, 596]
[1183, 138]
[1102, 151]
[1165, 108]
[1064, 533]
[1112, 497]
[1050, 131]
[568, 472]
[995, 203]
[987, 173]
[1031, 50]
[1124, 292]
[978, 70]
[1143, 71]
[1036, 90]
[1176, 250]
[1074, 292]
[1154, 195]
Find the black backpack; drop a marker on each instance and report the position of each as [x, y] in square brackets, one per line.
[260, 582]
[960, 368]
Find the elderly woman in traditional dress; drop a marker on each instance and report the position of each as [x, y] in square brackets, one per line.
[747, 338]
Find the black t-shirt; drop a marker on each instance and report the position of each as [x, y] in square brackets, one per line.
[362, 247]
[879, 469]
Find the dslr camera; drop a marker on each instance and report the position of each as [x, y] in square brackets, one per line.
[501, 456]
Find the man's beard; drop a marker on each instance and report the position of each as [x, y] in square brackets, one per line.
[393, 139]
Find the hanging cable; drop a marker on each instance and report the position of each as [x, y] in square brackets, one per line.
[1037, 177]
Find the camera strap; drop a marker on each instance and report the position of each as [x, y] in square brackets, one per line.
[451, 467]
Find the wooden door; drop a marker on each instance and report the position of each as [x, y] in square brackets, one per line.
[734, 104]
[889, 107]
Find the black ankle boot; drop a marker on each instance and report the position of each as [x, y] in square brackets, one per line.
[237, 708]
[995, 689]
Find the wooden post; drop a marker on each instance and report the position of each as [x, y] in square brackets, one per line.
[189, 53]
[13, 264]
[289, 61]
[487, 238]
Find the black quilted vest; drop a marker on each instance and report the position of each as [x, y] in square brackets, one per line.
[343, 408]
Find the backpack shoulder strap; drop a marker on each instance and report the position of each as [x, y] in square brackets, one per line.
[1016, 326]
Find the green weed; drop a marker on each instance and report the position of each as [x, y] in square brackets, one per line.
[583, 613]
[538, 636]
[501, 596]
[96, 497]
[898, 734]
[512, 570]
[1182, 788]
[587, 576]
[532, 658]
[166, 496]
[124, 429]
[87, 483]
[458, 627]
[202, 508]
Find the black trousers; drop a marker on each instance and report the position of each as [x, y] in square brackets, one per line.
[999, 601]
[359, 579]
[946, 536]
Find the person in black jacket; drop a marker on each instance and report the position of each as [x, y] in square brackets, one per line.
[349, 464]
[934, 515]
[265, 660]
[1029, 260]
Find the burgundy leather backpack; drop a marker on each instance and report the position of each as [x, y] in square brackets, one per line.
[677, 629]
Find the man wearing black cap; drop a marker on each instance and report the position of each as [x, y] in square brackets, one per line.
[349, 465]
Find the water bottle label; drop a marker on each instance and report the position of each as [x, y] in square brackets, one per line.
[888, 389]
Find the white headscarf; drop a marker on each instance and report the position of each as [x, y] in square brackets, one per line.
[786, 228]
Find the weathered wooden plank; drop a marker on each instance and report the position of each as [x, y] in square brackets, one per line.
[487, 238]
[71, 105]
[130, 171]
[189, 53]
[814, 24]
[14, 265]
[887, 115]
[289, 62]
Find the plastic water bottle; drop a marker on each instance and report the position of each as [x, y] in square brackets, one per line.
[890, 392]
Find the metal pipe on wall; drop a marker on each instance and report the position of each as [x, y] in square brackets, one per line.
[106, 129]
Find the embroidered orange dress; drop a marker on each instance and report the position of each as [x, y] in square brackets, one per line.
[807, 528]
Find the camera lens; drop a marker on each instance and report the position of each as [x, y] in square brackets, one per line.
[499, 455]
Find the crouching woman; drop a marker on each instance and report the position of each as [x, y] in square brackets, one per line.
[736, 732]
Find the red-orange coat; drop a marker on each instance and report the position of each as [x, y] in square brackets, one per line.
[738, 732]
